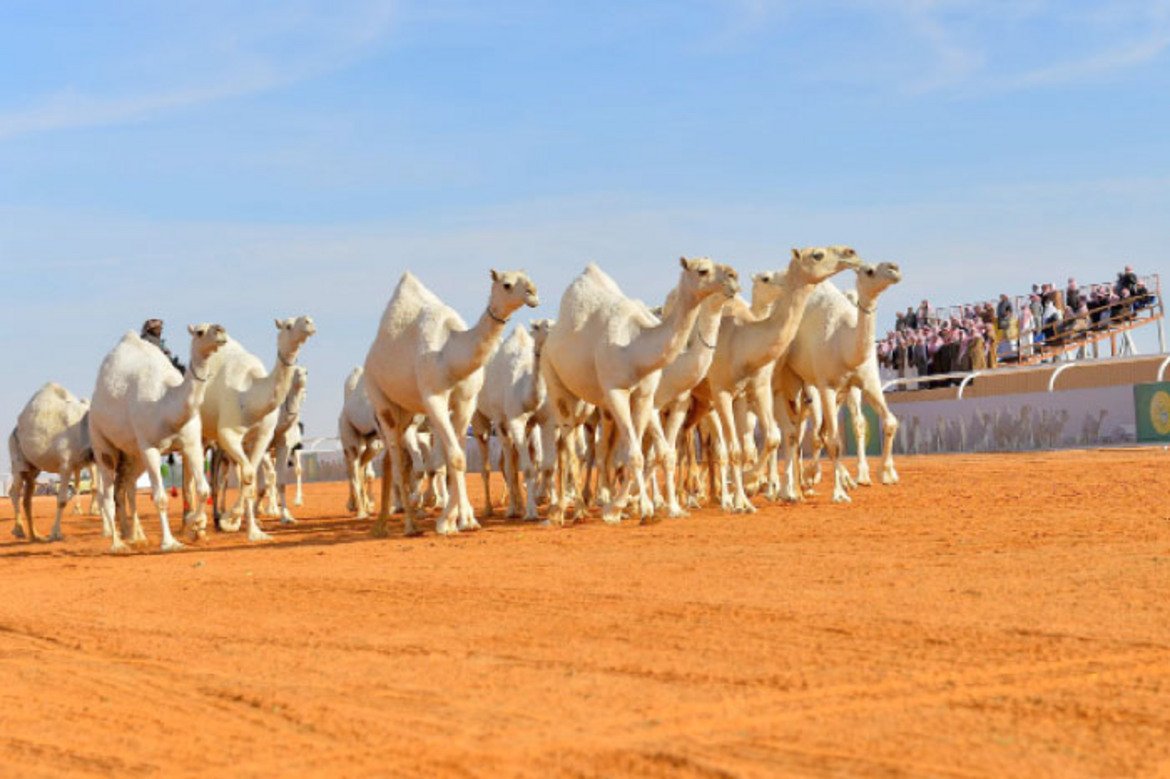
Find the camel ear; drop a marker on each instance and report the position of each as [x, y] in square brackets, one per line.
[191, 329]
[796, 254]
[495, 275]
[684, 263]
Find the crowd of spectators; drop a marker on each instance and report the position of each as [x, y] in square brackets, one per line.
[966, 338]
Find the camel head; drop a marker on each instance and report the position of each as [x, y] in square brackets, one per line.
[206, 339]
[729, 278]
[767, 287]
[511, 289]
[701, 277]
[291, 335]
[814, 264]
[298, 390]
[540, 329]
[872, 280]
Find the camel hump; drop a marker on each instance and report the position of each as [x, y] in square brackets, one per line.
[351, 382]
[56, 390]
[596, 275]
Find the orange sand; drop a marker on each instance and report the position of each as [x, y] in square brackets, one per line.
[992, 615]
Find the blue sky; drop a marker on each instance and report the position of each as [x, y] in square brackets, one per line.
[235, 162]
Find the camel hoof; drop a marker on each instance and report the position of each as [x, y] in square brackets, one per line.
[469, 524]
[842, 497]
[171, 546]
[56, 535]
[678, 513]
[119, 547]
[446, 530]
[379, 530]
[258, 536]
[288, 519]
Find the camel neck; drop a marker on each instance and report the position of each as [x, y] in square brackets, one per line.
[466, 351]
[181, 401]
[781, 324]
[864, 329]
[656, 346]
[267, 393]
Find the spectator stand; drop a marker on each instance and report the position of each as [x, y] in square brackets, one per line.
[1076, 336]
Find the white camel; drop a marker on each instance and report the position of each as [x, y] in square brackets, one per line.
[360, 444]
[51, 436]
[243, 402]
[425, 360]
[834, 340]
[280, 464]
[142, 408]
[513, 390]
[672, 398]
[608, 350]
[748, 351]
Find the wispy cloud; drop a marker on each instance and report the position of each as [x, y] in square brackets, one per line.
[971, 46]
[268, 52]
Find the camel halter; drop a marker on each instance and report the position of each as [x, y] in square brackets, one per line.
[195, 375]
[286, 363]
[865, 310]
[703, 341]
[492, 314]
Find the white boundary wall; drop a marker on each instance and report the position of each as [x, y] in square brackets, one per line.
[1100, 416]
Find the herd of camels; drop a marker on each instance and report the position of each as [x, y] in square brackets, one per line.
[589, 409]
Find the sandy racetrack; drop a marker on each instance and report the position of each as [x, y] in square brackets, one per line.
[991, 615]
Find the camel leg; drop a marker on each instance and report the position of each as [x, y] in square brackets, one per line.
[628, 457]
[21, 505]
[438, 410]
[158, 493]
[353, 470]
[266, 495]
[397, 467]
[511, 457]
[873, 393]
[668, 445]
[196, 490]
[860, 434]
[128, 472]
[762, 392]
[789, 419]
[283, 469]
[62, 501]
[643, 414]
[721, 434]
[299, 474]
[233, 447]
[107, 502]
[481, 430]
[390, 472]
[831, 436]
[725, 407]
[548, 467]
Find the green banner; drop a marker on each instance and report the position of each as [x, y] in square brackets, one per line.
[873, 431]
[1151, 405]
